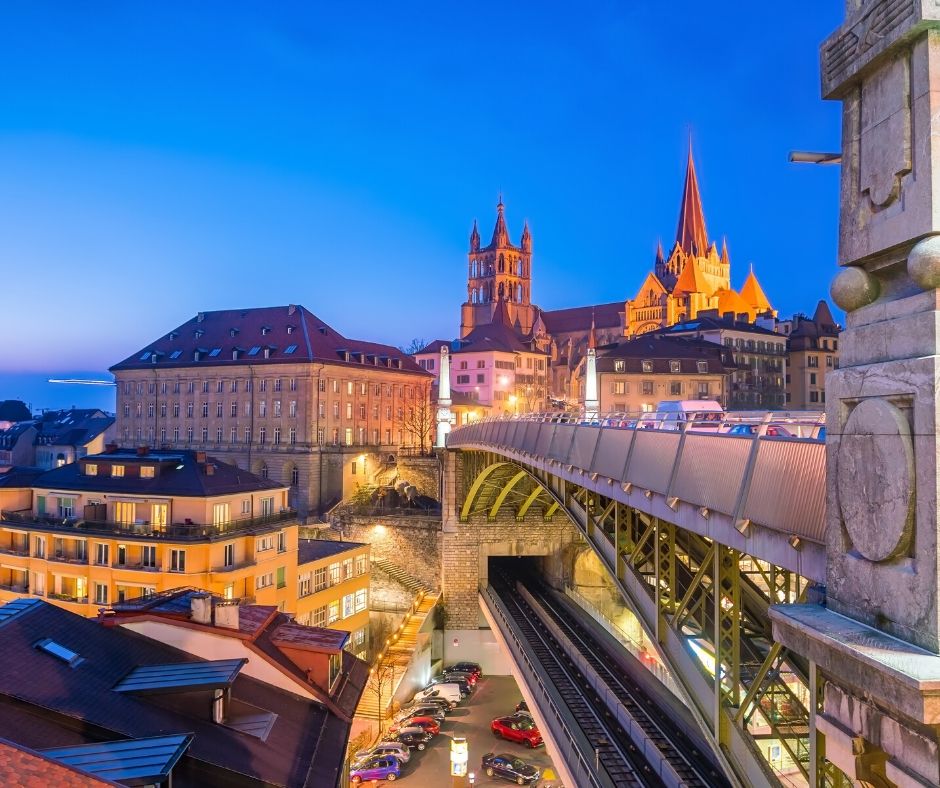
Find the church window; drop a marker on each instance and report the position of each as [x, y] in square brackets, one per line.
[519, 293]
[473, 296]
[502, 264]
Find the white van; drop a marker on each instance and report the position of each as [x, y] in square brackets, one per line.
[702, 415]
[450, 693]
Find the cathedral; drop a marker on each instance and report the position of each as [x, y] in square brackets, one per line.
[695, 277]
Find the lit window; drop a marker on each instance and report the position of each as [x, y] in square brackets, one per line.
[91, 469]
[146, 471]
[117, 470]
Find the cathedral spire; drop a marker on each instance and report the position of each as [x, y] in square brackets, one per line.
[526, 237]
[474, 238]
[592, 336]
[724, 252]
[691, 234]
[660, 257]
[500, 231]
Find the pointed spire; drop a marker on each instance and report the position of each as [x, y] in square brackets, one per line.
[501, 313]
[592, 336]
[725, 259]
[500, 231]
[660, 257]
[691, 234]
[690, 280]
[474, 238]
[526, 237]
[823, 315]
[753, 293]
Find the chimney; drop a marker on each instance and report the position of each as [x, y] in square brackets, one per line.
[142, 451]
[291, 308]
[110, 448]
[200, 317]
[200, 608]
[226, 615]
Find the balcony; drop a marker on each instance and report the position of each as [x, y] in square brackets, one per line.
[9, 550]
[16, 588]
[81, 600]
[137, 567]
[65, 558]
[176, 532]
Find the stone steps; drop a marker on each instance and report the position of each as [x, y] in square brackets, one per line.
[400, 575]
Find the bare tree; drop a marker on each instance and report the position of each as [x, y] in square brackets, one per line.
[382, 685]
[413, 347]
[417, 420]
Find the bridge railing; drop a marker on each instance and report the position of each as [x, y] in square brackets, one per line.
[753, 467]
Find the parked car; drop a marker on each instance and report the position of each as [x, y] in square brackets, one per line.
[773, 430]
[456, 675]
[432, 710]
[435, 701]
[510, 767]
[427, 724]
[517, 729]
[462, 684]
[450, 692]
[466, 667]
[380, 767]
[415, 738]
[396, 749]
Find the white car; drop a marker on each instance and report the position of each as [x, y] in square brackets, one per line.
[400, 751]
[449, 692]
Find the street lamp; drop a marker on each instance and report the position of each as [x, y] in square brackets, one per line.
[812, 157]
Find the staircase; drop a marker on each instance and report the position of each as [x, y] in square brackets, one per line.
[400, 575]
[398, 655]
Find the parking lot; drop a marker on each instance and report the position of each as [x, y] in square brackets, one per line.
[495, 696]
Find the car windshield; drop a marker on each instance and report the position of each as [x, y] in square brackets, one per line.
[709, 416]
[518, 764]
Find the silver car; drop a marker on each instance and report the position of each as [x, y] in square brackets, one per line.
[397, 749]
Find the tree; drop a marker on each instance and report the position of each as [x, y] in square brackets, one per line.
[417, 421]
[413, 347]
[382, 685]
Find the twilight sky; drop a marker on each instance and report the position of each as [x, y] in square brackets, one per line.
[162, 159]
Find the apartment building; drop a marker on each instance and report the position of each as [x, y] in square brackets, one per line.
[813, 344]
[126, 524]
[634, 376]
[333, 586]
[278, 392]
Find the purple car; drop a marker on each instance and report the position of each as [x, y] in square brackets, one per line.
[380, 767]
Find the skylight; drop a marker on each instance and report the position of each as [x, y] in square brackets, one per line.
[290, 349]
[59, 651]
[254, 350]
[214, 352]
[176, 354]
[145, 356]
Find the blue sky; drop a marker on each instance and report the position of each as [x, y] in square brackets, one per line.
[162, 159]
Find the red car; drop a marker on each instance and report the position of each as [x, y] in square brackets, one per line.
[427, 724]
[517, 729]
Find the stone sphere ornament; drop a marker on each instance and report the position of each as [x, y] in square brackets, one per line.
[854, 288]
[923, 263]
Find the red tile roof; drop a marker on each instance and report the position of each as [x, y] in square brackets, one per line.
[21, 767]
[291, 334]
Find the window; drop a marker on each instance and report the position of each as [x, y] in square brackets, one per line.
[349, 605]
[703, 392]
[277, 436]
[701, 366]
[292, 436]
[163, 409]
[319, 617]
[147, 471]
[362, 599]
[829, 361]
[333, 614]
[349, 436]
[619, 365]
[282, 541]
[264, 581]
[267, 504]
[360, 564]
[353, 467]
[148, 556]
[675, 388]
[205, 410]
[647, 387]
[618, 387]
[319, 579]
[812, 361]
[349, 387]
[101, 594]
[812, 378]
[263, 409]
[177, 560]
[102, 551]
[246, 505]
[481, 378]
[264, 543]
[262, 434]
[347, 568]
[334, 574]
[158, 514]
[176, 410]
[189, 410]
[281, 576]
[647, 366]
[121, 554]
[228, 555]
[463, 378]
[117, 470]
[220, 513]
[814, 396]
[125, 512]
[674, 367]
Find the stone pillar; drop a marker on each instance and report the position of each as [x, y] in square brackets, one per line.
[443, 399]
[875, 644]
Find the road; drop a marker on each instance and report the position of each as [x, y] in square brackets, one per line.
[495, 696]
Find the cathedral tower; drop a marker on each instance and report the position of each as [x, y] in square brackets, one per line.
[497, 271]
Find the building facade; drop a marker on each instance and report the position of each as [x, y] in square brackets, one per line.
[126, 525]
[635, 375]
[759, 355]
[278, 392]
[813, 352]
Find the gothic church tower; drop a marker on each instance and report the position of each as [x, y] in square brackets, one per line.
[498, 272]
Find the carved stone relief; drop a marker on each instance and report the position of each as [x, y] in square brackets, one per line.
[875, 480]
[885, 132]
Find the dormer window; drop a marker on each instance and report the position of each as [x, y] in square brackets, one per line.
[647, 366]
[619, 365]
[91, 469]
[674, 367]
[233, 332]
[198, 333]
[117, 471]
[147, 471]
[173, 335]
[267, 352]
[265, 330]
[702, 366]
[290, 329]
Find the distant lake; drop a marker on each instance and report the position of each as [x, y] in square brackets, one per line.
[35, 390]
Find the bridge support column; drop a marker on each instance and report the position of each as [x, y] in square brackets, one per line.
[876, 644]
